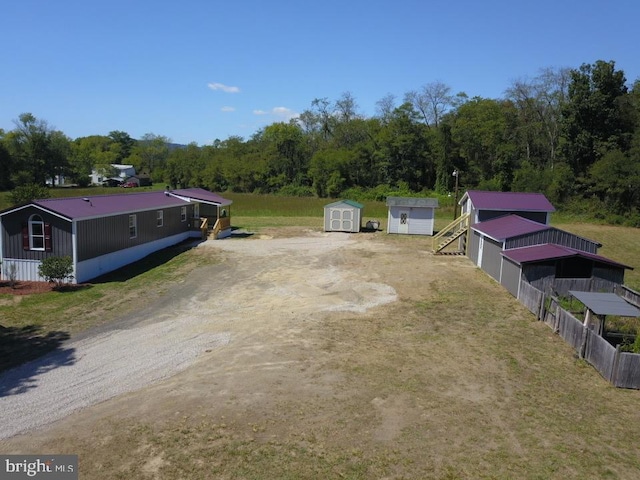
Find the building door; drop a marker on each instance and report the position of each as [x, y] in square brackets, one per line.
[403, 224]
[341, 219]
[480, 248]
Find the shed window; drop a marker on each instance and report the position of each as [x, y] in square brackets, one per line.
[574, 268]
[183, 214]
[160, 218]
[36, 234]
[133, 226]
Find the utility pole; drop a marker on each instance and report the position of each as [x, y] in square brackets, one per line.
[456, 174]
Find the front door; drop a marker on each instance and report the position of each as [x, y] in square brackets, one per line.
[403, 224]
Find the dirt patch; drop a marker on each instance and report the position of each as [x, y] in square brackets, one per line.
[24, 288]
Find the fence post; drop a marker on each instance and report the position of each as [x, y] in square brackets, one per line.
[556, 323]
[583, 344]
[541, 309]
[614, 368]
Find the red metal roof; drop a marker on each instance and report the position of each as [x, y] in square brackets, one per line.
[106, 205]
[509, 201]
[508, 226]
[550, 251]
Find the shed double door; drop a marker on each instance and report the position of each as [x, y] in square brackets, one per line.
[341, 219]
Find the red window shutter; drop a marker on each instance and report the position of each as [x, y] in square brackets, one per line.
[47, 237]
[25, 236]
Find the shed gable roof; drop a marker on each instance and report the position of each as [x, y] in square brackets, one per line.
[550, 251]
[412, 202]
[351, 203]
[508, 201]
[509, 226]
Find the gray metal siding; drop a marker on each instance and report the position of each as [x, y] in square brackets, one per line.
[510, 278]
[484, 215]
[472, 247]
[557, 237]
[491, 258]
[100, 236]
[61, 239]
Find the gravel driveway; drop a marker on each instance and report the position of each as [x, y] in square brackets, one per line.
[261, 283]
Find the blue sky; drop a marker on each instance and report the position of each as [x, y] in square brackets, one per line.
[198, 70]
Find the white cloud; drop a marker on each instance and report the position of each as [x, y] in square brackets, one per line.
[228, 109]
[279, 112]
[223, 87]
[284, 112]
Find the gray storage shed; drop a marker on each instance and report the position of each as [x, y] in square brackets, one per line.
[343, 216]
[413, 216]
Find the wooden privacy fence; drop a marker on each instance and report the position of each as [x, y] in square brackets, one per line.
[629, 295]
[622, 369]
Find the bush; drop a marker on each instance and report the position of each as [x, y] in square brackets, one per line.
[26, 193]
[56, 270]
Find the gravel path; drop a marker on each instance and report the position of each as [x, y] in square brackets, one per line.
[290, 276]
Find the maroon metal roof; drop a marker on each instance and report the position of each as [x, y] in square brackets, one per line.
[514, 201]
[106, 205]
[508, 226]
[551, 251]
[203, 195]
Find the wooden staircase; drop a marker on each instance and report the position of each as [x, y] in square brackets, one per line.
[450, 234]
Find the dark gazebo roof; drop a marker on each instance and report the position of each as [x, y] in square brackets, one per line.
[606, 304]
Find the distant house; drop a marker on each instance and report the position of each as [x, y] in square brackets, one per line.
[104, 232]
[141, 180]
[98, 176]
[411, 216]
[343, 216]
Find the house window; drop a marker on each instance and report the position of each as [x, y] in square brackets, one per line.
[196, 210]
[160, 218]
[36, 233]
[183, 214]
[133, 226]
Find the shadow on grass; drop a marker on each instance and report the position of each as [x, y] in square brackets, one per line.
[147, 263]
[25, 353]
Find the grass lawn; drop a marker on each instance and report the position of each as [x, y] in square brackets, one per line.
[475, 387]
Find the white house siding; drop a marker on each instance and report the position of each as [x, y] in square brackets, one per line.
[94, 267]
[420, 220]
[26, 270]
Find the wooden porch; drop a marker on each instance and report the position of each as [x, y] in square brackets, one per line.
[211, 227]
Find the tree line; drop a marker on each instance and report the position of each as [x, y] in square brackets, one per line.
[573, 134]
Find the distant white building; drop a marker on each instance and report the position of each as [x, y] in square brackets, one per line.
[123, 171]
